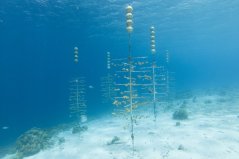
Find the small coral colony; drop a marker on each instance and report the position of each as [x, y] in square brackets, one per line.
[130, 82]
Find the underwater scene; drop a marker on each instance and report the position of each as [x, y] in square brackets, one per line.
[119, 79]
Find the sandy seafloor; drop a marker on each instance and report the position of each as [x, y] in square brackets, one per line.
[211, 132]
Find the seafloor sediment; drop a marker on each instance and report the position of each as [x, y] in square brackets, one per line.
[211, 131]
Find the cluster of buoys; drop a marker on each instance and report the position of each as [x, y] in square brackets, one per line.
[108, 60]
[76, 54]
[167, 56]
[152, 36]
[129, 18]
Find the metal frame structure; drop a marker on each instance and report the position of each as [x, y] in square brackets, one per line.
[78, 107]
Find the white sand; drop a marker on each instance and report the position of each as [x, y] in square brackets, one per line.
[205, 135]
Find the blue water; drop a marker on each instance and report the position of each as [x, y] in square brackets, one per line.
[37, 38]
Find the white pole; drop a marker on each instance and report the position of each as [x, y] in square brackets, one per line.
[153, 50]
[129, 28]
